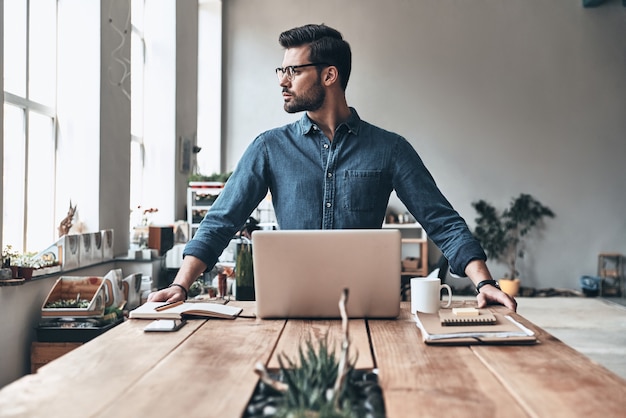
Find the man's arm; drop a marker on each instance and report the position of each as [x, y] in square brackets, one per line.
[477, 271]
[191, 268]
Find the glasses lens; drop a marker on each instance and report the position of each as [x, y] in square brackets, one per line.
[282, 72]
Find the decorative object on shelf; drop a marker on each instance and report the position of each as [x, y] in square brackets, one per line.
[502, 234]
[66, 223]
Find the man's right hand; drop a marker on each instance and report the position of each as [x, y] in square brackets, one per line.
[169, 294]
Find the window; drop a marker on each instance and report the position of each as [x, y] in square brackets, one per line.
[137, 148]
[29, 123]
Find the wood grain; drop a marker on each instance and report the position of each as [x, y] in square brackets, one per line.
[93, 375]
[297, 332]
[206, 369]
[211, 374]
[553, 379]
[433, 381]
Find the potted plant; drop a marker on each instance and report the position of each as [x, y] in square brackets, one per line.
[215, 177]
[502, 233]
[9, 257]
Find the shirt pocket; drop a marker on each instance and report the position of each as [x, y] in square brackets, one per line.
[361, 189]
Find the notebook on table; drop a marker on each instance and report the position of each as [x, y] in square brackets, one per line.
[302, 273]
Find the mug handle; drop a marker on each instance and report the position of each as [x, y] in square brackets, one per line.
[445, 286]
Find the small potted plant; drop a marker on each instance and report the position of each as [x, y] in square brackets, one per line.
[502, 233]
[9, 256]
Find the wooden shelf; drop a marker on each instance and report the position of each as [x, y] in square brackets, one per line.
[413, 235]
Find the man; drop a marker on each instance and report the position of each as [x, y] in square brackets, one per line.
[330, 170]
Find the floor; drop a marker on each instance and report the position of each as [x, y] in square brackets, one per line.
[594, 326]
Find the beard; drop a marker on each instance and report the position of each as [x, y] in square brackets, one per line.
[310, 100]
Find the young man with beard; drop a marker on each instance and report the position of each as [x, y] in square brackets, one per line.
[330, 170]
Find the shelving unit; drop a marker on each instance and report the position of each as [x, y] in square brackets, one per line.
[200, 198]
[414, 245]
[611, 273]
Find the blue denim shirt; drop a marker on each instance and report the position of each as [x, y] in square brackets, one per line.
[316, 183]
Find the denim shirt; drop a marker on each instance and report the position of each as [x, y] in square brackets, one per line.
[345, 183]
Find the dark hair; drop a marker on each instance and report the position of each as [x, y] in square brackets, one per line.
[325, 45]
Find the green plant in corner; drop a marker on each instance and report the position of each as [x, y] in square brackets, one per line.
[502, 234]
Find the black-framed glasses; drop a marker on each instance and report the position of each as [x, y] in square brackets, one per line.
[290, 71]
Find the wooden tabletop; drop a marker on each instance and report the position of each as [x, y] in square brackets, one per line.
[206, 370]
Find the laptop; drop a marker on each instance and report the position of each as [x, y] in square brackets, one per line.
[302, 273]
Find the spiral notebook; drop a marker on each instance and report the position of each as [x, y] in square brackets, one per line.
[449, 318]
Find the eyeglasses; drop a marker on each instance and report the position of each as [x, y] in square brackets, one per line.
[290, 71]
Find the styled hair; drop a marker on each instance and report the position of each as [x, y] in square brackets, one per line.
[325, 45]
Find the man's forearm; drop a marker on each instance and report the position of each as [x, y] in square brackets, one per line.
[477, 271]
[191, 268]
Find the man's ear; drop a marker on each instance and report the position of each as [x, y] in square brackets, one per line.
[331, 75]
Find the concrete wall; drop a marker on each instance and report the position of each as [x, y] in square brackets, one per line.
[498, 97]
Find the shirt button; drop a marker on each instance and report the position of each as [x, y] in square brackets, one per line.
[325, 146]
[328, 204]
[329, 175]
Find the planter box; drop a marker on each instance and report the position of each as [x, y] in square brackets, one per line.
[96, 247]
[69, 252]
[63, 331]
[85, 250]
[107, 244]
[43, 353]
[46, 270]
[68, 287]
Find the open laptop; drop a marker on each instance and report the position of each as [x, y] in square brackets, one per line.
[301, 273]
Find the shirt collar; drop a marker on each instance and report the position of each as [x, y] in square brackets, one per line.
[353, 122]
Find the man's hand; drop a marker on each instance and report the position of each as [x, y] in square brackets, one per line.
[490, 295]
[189, 271]
[477, 271]
[169, 294]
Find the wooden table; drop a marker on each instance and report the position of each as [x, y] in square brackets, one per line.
[206, 370]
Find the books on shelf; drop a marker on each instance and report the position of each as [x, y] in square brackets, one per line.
[185, 310]
[505, 330]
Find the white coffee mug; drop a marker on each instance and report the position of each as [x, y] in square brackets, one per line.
[426, 294]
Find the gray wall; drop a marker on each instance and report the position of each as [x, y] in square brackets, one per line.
[498, 97]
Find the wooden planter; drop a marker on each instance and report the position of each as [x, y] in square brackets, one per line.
[69, 287]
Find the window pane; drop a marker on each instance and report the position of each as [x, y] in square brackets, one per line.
[42, 51]
[15, 47]
[136, 85]
[137, 57]
[40, 213]
[13, 177]
[136, 174]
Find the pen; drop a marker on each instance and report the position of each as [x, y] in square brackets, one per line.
[168, 306]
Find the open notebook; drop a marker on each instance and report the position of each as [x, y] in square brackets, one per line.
[301, 274]
[185, 310]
